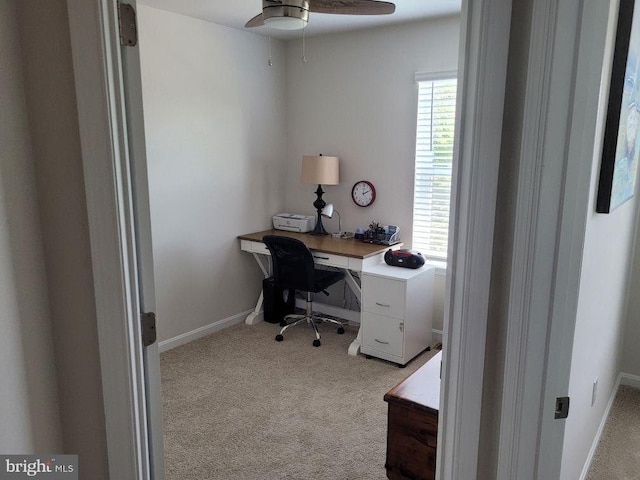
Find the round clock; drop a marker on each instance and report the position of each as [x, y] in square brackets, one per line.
[363, 193]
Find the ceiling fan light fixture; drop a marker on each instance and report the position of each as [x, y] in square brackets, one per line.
[294, 15]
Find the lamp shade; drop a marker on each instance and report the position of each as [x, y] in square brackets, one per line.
[327, 211]
[320, 170]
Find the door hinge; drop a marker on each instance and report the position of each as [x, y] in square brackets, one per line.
[127, 24]
[562, 407]
[148, 322]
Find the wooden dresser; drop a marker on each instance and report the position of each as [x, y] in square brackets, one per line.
[413, 424]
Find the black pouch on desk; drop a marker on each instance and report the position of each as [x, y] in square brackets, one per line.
[278, 302]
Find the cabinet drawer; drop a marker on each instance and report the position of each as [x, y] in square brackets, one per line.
[383, 334]
[383, 296]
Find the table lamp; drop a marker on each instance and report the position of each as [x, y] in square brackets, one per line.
[320, 170]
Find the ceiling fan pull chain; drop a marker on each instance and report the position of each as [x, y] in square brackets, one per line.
[304, 57]
[270, 61]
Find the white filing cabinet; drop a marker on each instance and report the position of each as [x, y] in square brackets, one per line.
[397, 311]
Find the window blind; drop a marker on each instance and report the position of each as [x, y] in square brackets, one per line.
[434, 155]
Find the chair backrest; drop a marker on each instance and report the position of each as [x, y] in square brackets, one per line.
[293, 265]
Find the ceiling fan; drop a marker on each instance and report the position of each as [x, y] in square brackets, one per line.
[294, 14]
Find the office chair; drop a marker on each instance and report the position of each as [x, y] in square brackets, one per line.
[294, 268]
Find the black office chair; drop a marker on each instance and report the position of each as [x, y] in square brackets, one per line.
[294, 268]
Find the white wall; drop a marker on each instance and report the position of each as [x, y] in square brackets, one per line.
[215, 122]
[28, 398]
[356, 98]
[606, 265]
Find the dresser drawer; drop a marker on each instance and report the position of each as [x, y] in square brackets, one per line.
[383, 296]
[382, 334]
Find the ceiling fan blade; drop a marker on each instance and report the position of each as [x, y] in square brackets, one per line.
[256, 21]
[352, 7]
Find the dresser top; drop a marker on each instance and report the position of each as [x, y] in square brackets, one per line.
[421, 389]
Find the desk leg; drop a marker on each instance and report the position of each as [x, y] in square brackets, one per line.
[255, 317]
[354, 347]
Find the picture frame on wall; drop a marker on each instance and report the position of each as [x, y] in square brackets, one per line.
[621, 146]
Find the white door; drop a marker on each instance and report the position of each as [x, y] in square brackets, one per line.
[130, 53]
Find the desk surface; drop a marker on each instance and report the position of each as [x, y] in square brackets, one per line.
[327, 244]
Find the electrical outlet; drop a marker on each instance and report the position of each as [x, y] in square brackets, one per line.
[594, 392]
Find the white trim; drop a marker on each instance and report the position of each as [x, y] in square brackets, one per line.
[527, 237]
[603, 422]
[553, 190]
[426, 76]
[214, 327]
[485, 29]
[629, 380]
[109, 208]
[436, 337]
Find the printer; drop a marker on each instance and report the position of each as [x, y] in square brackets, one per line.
[293, 222]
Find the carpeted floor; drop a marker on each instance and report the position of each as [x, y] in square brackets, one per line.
[617, 456]
[238, 405]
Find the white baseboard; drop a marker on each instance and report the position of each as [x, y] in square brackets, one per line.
[352, 316]
[623, 378]
[630, 380]
[216, 326]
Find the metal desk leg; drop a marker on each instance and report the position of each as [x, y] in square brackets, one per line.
[354, 347]
[255, 317]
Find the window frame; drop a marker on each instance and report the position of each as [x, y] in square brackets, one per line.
[430, 77]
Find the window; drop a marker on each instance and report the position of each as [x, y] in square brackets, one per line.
[434, 154]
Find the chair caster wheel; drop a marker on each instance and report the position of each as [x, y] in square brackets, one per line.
[279, 338]
[283, 323]
[316, 343]
[340, 331]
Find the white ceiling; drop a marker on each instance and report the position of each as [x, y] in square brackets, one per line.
[235, 13]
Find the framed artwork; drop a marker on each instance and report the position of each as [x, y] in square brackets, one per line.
[621, 145]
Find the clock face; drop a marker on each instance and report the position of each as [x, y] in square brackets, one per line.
[363, 193]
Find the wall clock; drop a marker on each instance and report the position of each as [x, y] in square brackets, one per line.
[363, 193]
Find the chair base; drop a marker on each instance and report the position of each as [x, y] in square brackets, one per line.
[313, 320]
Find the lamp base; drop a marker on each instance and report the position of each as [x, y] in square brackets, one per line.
[319, 228]
[319, 204]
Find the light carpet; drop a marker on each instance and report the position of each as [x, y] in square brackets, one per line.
[617, 456]
[238, 405]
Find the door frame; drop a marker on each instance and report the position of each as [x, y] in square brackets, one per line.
[108, 186]
[485, 31]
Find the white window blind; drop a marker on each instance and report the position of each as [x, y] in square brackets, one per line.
[434, 154]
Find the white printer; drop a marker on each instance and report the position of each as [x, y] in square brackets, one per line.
[293, 222]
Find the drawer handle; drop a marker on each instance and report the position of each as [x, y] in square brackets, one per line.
[321, 258]
[383, 304]
[380, 341]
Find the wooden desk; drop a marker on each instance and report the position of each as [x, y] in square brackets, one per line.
[412, 435]
[348, 255]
